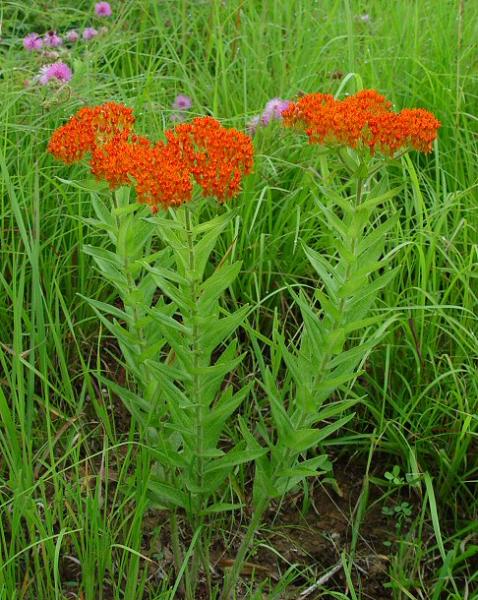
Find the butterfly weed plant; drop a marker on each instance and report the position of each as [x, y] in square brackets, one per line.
[175, 332]
[357, 138]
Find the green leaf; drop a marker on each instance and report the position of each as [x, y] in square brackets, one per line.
[326, 386]
[213, 287]
[213, 229]
[350, 287]
[235, 457]
[169, 457]
[166, 321]
[308, 468]
[308, 438]
[176, 294]
[219, 413]
[212, 335]
[301, 471]
[362, 323]
[105, 217]
[86, 185]
[114, 328]
[335, 223]
[174, 236]
[372, 201]
[175, 395]
[211, 381]
[142, 410]
[335, 340]
[281, 419]
[109, 309]
[329, 308]
[168, 495]
[332, 410]
[324, 270]
[378, 234]
[264, 486]
[168, 274]
[109, 264]
[220, 507]
[133, 236]
[369, 292]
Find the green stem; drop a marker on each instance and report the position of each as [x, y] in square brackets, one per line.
[200, 555]
[233, 575]
[177, 554]
[131, 305]
[195, 350]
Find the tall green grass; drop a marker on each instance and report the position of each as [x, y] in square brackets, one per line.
[73, 514]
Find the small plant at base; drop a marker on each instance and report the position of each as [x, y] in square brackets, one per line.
[394, 476]
[401, 514]
[401, 511]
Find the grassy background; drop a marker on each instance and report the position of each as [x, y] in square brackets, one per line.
[72, 507]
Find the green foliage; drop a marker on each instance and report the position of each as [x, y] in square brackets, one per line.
[72, 464]
[177, 344]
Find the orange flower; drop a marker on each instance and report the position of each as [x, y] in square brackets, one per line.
[89, 127]
[161, 175]
[217, 157]
[421, 127]
[362, 120]
[113, 159]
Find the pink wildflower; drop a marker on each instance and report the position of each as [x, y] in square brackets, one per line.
[52, 39]
[182, 102]
[32, 42]
[58, 71]
[103, 9]
[89, 33]
[272, 112]
[72, 36]
[274, 109]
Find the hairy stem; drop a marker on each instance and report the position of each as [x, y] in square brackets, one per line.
[132, 306]
[195, 350]
[200, 554]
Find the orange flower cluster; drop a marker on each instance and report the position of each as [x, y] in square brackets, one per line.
[162, 176]
[216, 157]
[88, 128]
[362, 120]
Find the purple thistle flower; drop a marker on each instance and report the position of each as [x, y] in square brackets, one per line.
[182, 102]
[274, 109]
[58, 71]
[32, 42]
[72, 36]
[89, 33]
[103, 9]
[52, 39]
